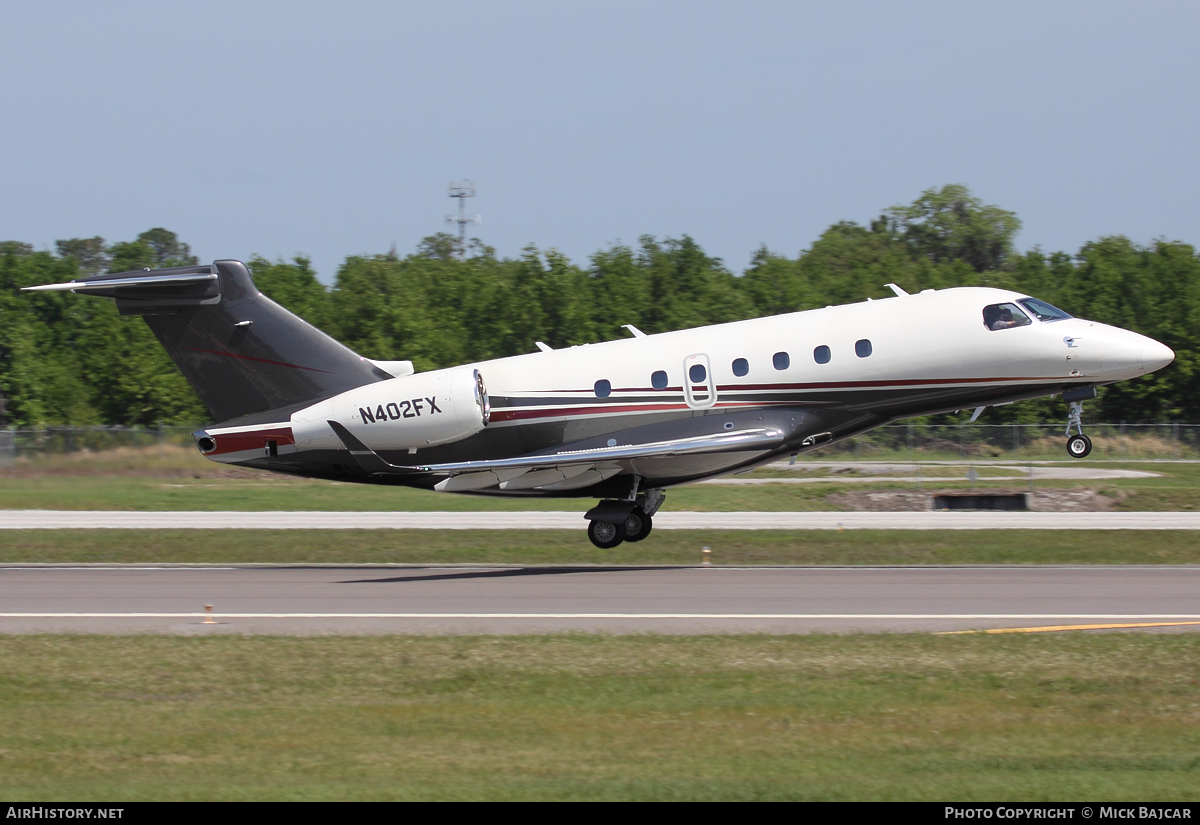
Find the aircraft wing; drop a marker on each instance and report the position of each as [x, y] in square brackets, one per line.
[561, 470]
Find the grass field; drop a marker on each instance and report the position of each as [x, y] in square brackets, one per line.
[1097, 717]
[174, 478]
[729, 547]
[888, 716]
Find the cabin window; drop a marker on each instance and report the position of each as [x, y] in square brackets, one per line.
[1004, 316]
[740, 366]
[603, 388]
[697, 373]
[781, 360]
[1042, 310]
[821, 354]
[658, 379]
[862, 348]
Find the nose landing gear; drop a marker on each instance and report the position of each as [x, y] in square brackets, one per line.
[1078, 445]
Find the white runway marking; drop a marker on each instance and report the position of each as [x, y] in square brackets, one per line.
[550, 520]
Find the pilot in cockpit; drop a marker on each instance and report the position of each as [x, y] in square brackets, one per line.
[1003, 316]
[1005, 320]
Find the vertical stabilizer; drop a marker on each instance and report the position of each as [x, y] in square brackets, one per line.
[241, 351]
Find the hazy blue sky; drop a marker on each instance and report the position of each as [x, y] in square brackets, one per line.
[332, 129]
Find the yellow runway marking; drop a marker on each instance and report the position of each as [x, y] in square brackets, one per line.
[1059, 627]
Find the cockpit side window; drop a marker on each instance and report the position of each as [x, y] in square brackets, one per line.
[1004, 316]
[1042, 310]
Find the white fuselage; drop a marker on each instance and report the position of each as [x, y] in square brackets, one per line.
[858, 364]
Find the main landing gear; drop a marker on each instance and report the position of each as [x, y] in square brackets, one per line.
[612, 522]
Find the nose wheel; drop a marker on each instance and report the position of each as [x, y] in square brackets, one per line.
[1078, 446]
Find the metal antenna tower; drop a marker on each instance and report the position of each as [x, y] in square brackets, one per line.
[462, 190]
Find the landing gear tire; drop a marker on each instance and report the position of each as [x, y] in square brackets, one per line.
[606, 534]
[1078, 446]
[637, 526]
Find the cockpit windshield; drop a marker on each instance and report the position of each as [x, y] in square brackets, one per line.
[1004, 316]
[1042, 310]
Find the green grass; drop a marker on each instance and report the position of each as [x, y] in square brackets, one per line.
[729, 547]
[1177, 489]
[177, 478]
[917, 717]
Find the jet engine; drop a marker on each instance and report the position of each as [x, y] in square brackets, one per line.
[406, 413]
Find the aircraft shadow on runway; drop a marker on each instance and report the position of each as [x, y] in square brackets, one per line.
[500, 574]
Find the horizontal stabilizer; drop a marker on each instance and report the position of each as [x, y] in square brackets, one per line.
[130, 283]
[148, 291]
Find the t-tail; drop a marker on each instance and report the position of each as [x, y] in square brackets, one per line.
[242, 352]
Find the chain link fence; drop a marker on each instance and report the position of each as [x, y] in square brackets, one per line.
[894, 442]
[15, 444]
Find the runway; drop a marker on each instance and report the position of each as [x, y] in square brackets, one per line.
[550, 520]
[304, 600]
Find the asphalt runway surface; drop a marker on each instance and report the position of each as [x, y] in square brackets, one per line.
[549, 520]
[426, 599]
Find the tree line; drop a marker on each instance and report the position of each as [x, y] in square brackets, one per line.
[71, 360]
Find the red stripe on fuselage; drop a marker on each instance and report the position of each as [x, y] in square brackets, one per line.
[567, 409]
[517, 413]
[910, 382]
[829, 385]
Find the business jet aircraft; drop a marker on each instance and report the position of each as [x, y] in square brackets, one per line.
[621, 421]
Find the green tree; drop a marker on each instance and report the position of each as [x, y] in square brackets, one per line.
[295, 287]
[950, 224]
[688, 288]
[90, 254]
[168, 250]
[40, 369]
[154, 249]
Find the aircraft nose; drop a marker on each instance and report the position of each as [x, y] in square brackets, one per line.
[1153, 355]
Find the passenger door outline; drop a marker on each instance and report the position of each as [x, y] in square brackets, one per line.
[699, 395]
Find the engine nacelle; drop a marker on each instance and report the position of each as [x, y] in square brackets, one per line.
[407, 413]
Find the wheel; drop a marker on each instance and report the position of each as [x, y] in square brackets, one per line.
[637, 526]
[1078, 446]
[606, 534]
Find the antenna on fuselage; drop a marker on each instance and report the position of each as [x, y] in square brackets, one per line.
[462, 190]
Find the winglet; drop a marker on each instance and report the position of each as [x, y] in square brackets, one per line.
[900, 293]
[637, 333]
